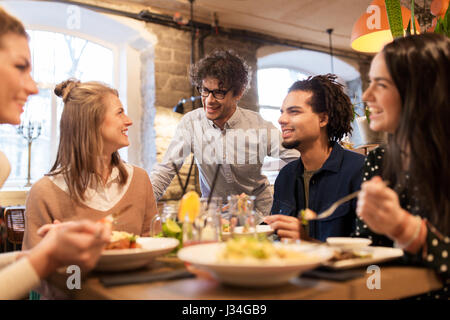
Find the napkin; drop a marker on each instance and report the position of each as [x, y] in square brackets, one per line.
[139, 277]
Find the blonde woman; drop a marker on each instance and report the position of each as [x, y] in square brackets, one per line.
[88, 179]
[77, 243]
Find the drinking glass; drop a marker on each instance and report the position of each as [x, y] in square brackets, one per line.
[165, 224]
[242, 215]
[206, 226]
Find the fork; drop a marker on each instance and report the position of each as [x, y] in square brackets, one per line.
[332, 208]
[112, 217]
[336, 204]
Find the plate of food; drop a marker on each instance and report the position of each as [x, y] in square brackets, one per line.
[260, 229]
[250, 262]
[348, 243]
[359, 257]
[127, 251]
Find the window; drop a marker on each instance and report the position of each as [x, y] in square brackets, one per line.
[69, 40]
[273, 85]
[55, 58]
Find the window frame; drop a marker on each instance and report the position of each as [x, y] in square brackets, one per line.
[132, 47]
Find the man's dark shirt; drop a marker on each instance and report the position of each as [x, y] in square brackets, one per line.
[340, 175]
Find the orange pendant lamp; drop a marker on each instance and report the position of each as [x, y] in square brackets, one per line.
[371, 31]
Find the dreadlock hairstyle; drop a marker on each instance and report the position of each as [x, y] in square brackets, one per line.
[419, 66]
[329, 97]
[227, 67]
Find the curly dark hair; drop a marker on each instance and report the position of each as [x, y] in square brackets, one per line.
[227, 67]
[328, 96]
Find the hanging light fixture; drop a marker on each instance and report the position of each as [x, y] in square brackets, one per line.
[371, 31]
[330, 31]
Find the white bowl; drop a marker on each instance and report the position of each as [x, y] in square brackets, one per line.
[128, 259]
[260, 229]
[251, 274]
[348, 243]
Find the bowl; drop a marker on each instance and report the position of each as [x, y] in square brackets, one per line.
[251, 273]
[260, 229]
[348, 243]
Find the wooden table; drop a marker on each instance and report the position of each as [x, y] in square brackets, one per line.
[396, 282]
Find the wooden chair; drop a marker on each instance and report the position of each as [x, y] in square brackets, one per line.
[15, 225]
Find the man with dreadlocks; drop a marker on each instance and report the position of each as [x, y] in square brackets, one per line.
[315, 116]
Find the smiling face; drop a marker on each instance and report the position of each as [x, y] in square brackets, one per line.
[382, 97]
[16, 84]
[219, 111]
[300, 126]
[114, 129]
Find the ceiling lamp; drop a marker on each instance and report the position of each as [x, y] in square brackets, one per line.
[371, 31]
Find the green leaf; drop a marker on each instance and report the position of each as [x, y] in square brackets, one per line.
[443, 24]
[394, 13]
[447, 22]
[367, 113]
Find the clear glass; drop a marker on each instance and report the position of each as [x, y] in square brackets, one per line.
[160, 226]
[242, 215]
[206, 227]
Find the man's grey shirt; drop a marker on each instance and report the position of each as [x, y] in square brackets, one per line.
[240, 148]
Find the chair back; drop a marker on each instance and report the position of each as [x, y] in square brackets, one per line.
[15, 224]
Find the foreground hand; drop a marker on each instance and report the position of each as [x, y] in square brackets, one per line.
[42, 231]
[287, 227]
[378, 206]
[78, 243]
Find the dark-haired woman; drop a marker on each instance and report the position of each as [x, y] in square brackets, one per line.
[409, 98]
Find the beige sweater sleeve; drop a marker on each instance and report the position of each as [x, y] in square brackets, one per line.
[151, 209]
[17, 278]
[37, 212]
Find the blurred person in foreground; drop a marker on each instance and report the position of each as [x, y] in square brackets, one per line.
[75, 243]
[408, 97]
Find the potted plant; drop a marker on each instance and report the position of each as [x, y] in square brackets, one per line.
[439, 8]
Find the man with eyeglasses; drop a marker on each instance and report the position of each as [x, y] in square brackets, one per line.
[223, 133]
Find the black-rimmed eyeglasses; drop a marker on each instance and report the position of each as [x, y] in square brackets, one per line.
[217, 94]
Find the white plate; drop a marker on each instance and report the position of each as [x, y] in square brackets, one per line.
[348, 243]
[378, 254]
[251, 274]
[127, 259]
[260, 229]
